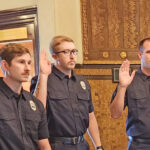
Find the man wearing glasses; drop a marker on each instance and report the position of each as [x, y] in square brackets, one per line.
[67, 98]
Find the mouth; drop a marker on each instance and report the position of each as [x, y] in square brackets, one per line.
[26, 74]
[72, 62]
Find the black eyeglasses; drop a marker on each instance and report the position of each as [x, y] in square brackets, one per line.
[68, 52]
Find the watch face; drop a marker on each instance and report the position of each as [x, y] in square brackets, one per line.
[100, 147]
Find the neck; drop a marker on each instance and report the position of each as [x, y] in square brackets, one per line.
[13, 85]
[65, 71]
[146, 71]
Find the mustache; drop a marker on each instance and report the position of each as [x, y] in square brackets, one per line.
[72, 61]
[26, 73]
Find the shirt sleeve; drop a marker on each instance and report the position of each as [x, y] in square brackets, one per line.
[33, 84]
[91, 107]
[43, 132]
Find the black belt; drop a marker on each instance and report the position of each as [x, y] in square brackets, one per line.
[67, 140]
[139, 140]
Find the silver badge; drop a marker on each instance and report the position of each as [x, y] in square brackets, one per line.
[33, 106]
[83, 85]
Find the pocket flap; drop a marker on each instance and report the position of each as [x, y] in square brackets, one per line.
[5, 116]
[33, 117]
[57, 95]
[83, 96]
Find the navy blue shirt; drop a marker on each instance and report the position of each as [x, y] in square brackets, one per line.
[68, 104]
[137, 98]
[22, 120]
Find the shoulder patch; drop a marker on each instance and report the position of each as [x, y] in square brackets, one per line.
[83, 85]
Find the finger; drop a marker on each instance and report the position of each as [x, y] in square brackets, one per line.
[127, 65]
[122, 68]
[49, 63]
[133, 74]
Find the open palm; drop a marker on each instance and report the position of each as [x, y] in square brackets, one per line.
[124, 76]
[45, 64]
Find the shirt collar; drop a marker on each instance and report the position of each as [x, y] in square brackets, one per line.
[61, 75]
[143, 76]
[7, 90]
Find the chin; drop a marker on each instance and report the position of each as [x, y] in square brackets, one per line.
[25, 80]
[71, 67]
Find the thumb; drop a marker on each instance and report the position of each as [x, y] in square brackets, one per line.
[133, 74]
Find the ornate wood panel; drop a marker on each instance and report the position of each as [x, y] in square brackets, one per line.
[112, 29]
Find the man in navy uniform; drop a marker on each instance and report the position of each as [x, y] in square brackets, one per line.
[67, 98]
[23, 123]
[134, 91]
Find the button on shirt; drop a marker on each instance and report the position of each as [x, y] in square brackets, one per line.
[22, 120]
[137, 98]
[68, 104]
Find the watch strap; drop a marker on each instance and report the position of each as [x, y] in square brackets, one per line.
[99, 147]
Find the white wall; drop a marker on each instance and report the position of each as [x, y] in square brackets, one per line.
[10, 4]
[46, 20]
[56, 17]
[68, 22]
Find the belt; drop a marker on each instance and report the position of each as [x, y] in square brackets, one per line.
[67, 140]
[139, 140]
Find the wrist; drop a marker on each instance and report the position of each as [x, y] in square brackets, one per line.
[43, 75]
[100, 147]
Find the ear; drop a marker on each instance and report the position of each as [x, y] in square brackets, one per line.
[54, 57]
[4, 65]
[140, 55]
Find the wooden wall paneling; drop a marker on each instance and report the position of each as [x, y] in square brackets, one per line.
[112, 30]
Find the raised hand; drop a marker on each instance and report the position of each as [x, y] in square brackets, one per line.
[45, 64]
[124, 76]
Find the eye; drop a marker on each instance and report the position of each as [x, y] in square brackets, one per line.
[148, 52]
[29, 62]
[67, 51]
[22, 61]
[75, 51]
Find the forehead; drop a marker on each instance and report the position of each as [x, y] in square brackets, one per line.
[66, 45]
[25, 56]
[146, 45]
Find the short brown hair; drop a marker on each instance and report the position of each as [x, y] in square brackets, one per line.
[141, 48]
[57, 40]
[11, 50]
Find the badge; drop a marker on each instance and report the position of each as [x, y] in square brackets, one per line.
[33, 106]
[82, 83]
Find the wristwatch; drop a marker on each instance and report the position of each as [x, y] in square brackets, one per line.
[100, 147]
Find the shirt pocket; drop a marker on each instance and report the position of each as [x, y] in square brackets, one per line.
[58, 101]
[83, 107]
[140, 99]
[32, 122]
[7, 124]
[83, 100]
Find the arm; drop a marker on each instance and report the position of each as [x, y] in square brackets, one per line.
[93, 130]
[44, 144]
[45, 70]
[117, 105]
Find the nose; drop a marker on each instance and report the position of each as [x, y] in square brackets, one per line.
[28, 67]
[72, 55]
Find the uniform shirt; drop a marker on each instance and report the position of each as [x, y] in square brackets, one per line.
[68, 104]
[137, 98]
[22, 120]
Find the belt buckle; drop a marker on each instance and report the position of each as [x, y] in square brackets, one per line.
[75, 140]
